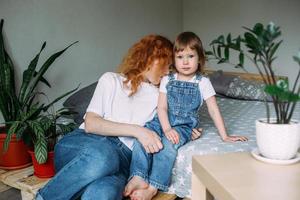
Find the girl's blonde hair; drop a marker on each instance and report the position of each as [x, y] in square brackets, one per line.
[140, 57]
[191, 40]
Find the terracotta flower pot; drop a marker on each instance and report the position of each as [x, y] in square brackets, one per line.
[45, 170]
[16, 157]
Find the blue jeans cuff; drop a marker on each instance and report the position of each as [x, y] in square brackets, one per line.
[139, 174]
[159, 186]
[38, 196]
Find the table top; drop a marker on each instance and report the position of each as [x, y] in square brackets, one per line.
[239, 176]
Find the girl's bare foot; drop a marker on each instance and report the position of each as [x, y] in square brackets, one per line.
[135, 183]
[144, 194]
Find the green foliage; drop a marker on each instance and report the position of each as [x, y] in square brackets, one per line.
[43, 131]
[260, 45]
[22, 112]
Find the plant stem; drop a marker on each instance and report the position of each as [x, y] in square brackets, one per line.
[258, 68]
[268, 111]
[293, 91]
[293, 107]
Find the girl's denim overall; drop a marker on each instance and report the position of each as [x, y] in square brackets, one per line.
[90, 166]
[184, 100]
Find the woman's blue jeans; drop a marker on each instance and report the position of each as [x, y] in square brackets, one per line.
[90, 166]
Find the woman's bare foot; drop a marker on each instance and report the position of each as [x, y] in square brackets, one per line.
[135, 183]
[144, 194]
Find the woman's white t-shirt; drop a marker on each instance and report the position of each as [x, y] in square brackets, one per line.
[205, 86]
[111, 101]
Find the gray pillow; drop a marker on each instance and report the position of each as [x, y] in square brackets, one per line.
[221, 81]
[79, 101]
[246, 89]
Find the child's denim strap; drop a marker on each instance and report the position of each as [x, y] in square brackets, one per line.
[171, 77]
[198, 77]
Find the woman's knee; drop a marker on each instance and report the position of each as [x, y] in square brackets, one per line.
[94, 157]
[67, 149]
[106, 188]
[99, 162]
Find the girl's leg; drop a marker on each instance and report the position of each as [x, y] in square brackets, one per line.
[164, 160]
[139, 169]
[92, 160]
[140, 161]
[161, 172]
[162, 165]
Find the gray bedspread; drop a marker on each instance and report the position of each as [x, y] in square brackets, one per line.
[239, 117]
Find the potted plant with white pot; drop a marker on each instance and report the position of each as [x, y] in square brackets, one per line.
[277, 137]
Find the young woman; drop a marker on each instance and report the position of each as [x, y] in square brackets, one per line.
[181, 95]
[94, 160]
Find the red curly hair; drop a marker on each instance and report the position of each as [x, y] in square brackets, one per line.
[141, 55]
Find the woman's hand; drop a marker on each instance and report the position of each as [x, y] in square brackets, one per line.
[196, 133]
[150, 140]
[234, 138]
[172, 135]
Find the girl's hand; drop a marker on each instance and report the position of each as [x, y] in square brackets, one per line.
[150, 140]
[196, 133]
[172, 135]
[234, 138]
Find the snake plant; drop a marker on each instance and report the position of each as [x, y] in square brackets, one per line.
[21, 107]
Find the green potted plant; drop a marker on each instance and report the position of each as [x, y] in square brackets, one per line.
[44, 132]
[20, 105]
[277, 137]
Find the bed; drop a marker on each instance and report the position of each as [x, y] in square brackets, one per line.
[241, 100]
[239, 115]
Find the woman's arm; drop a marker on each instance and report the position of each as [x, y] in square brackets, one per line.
[97, 125]
[215, 114]
[162, 111]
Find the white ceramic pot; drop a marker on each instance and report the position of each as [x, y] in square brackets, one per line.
[277, 141]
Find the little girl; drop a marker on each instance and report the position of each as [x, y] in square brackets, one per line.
[181, 95]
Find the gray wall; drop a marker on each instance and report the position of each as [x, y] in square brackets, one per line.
[211, 18]
[105, 30]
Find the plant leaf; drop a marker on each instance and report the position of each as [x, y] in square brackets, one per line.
[9, 134]
[226, 53]
[46, 65]
[274, 49]
[241, 59]
[28, 74]
[219, 51]
[58, 98]
[228, 39]
[258, 29]
[40, 150]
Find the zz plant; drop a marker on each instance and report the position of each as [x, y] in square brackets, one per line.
[260, 45]
[21, 108]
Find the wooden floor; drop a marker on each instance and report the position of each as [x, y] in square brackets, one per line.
[23, 185]
[9, 193]
[15, 194]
